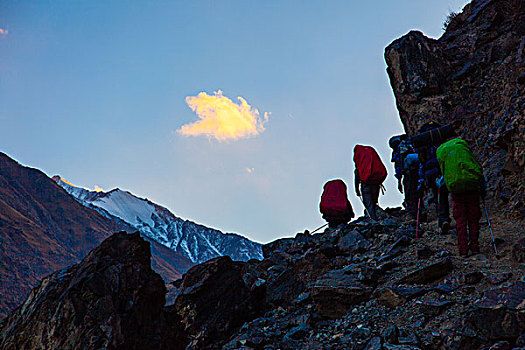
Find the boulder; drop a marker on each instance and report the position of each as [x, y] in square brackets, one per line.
[353, 241]
[112, 299]
[214, 302]
[398, 295]
[501, 312]
[336, 292]
[428, 273]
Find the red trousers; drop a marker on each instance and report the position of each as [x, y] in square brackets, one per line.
[467, 212]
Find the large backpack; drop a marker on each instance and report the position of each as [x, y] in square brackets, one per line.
[461, 170]
[409, 157]
[334, 201]
[371, 169]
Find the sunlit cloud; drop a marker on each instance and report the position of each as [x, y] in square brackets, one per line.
[223, 119]
[3, 32]
[98, 189]
[250, 170]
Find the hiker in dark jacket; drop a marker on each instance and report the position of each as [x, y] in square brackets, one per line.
[370, 195]
[406, 163]
[430, 177]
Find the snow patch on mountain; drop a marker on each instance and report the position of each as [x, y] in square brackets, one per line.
[196, 242]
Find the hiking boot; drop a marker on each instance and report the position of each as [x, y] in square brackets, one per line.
[443, 230]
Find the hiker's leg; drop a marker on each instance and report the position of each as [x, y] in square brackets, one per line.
[410, 187]
[460, 215]
[474, 215]
[369, 199]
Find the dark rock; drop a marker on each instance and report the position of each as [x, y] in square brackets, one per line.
[374, 344]
[283, 288]
[391, 334]
[428, 273]
[112, 299]
[424, 252]
[335, 292]
[498, 278]
[521, 340]
[473, 277]
[279, 245]
[501, 345]
[461, 338]
[400, 347]
[353, 241]
[398, 295]
[434, 307]
[408, 337]
[298, 332]
[214, 302]
[518, 251]
[446, 288]
[501, 312]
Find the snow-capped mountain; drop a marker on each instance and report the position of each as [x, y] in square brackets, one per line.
[196, 242]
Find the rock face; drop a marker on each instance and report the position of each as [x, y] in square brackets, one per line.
[43, 229]
[112, 299]
[473, 75]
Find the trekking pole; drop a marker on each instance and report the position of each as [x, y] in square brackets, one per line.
[490, 228]
[317, 229]
[417, 221]
[437, 201]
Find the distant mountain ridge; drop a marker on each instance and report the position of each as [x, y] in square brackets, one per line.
[44, 229]
[196, 242]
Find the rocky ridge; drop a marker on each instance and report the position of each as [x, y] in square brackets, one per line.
[43, 229]
[472, 76]
[366, 285]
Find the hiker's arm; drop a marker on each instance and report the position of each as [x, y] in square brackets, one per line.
[357, 180]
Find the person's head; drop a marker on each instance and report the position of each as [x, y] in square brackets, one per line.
[396, 140]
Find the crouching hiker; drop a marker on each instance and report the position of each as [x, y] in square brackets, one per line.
[463, 176]
[335, 206]
[369, 174]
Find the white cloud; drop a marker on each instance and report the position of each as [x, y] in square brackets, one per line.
[223, 119]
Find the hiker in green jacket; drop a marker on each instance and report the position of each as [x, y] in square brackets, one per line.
[463, 176]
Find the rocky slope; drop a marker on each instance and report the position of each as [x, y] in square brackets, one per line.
[196, 242]
[473, 76]
[366, 285]
[43, 229]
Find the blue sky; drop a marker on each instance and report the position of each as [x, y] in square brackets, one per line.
[95, 91]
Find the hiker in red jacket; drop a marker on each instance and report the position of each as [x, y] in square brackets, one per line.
[369, 174]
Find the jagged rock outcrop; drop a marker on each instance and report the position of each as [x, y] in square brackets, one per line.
[473, 76]
[111, 300]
